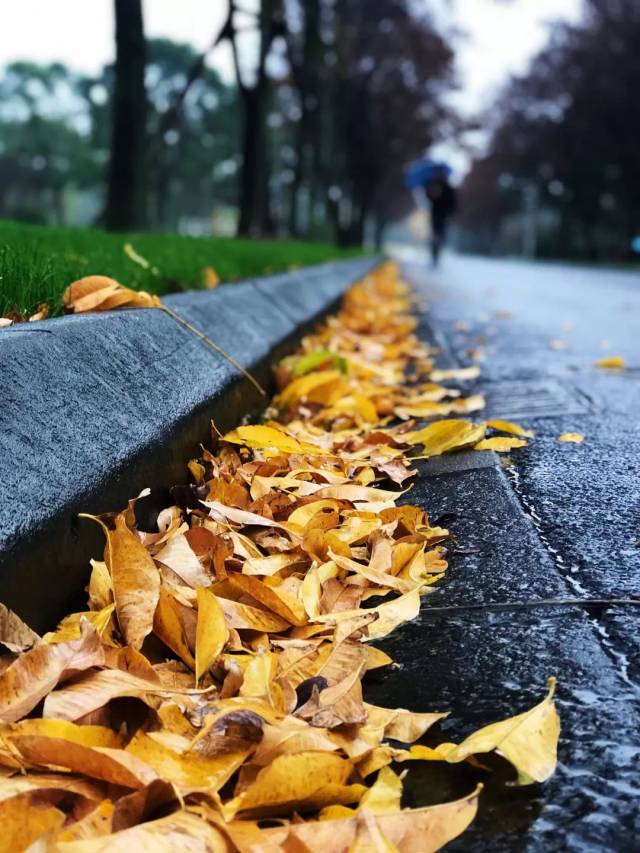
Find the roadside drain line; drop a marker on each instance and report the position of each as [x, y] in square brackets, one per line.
[536, 602]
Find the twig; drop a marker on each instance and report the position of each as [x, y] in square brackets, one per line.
[207, 340]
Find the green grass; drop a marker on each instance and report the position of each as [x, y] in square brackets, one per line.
[37, 263]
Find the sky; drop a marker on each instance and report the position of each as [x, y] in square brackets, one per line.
[500, 36]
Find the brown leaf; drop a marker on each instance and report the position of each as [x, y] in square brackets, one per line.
[135, 578]
[101, 293]
[14, 633]
[36, 672]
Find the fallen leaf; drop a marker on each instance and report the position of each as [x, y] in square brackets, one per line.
[101, 293]
[210, 277]
[14, 634]
[445, 436]
[499, 444]
[528, 741]
[572, 437]
[37, 671]
[510, 427]
[422, 830]
[135, 578]
[611, 362]
[211, 632]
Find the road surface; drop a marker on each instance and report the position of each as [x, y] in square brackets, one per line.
[553, 521]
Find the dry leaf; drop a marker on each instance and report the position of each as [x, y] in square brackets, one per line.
[14, 634]
[101, 293]
[211, 633]
[135, 579]
[210, 277]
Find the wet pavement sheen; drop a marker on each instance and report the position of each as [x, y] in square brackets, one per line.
[556, 521]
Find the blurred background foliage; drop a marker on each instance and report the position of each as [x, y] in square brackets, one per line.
[330, 103]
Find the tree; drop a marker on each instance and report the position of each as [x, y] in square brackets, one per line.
[254, 214]
[44, 150]
[381, 106]
[126, 189]
[567, 130]
[193, 149]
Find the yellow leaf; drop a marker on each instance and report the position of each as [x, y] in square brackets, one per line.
[211, 631]
[322, 386]
[268, 437]
[135, 578]
[400, 724]
[529, 741]
[24, 821]
[510, 427]
[62, 730]
[422, 830]
[182, 831]
[499, 443]
[168, 627]
[95, 689]
[110, 765]
[71, 626]
[574, 437]
[385, 795]
[100, 588]
[210, 277]
[291, 782]
[611, 362]
[180, 557]
[189, 771]
[389, 615]
[273, 599]
[447, 435]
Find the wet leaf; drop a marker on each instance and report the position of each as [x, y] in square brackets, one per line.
[445, 436]
[500, 444]
[510, 427]
[529, 741]
[611, 362]
[571, 437]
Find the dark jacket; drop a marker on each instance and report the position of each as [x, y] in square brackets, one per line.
[443, 200]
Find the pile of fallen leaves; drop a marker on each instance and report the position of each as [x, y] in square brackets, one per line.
[210, 697]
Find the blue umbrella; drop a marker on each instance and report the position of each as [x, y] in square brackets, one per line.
[420, 172]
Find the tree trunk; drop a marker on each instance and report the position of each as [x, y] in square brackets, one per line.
[126, 197]
[253, 157]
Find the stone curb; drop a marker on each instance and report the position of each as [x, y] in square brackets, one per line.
[96, 407]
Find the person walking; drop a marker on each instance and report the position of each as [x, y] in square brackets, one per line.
[443, 201]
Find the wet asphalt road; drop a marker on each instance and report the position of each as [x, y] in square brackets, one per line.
[552, 521]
